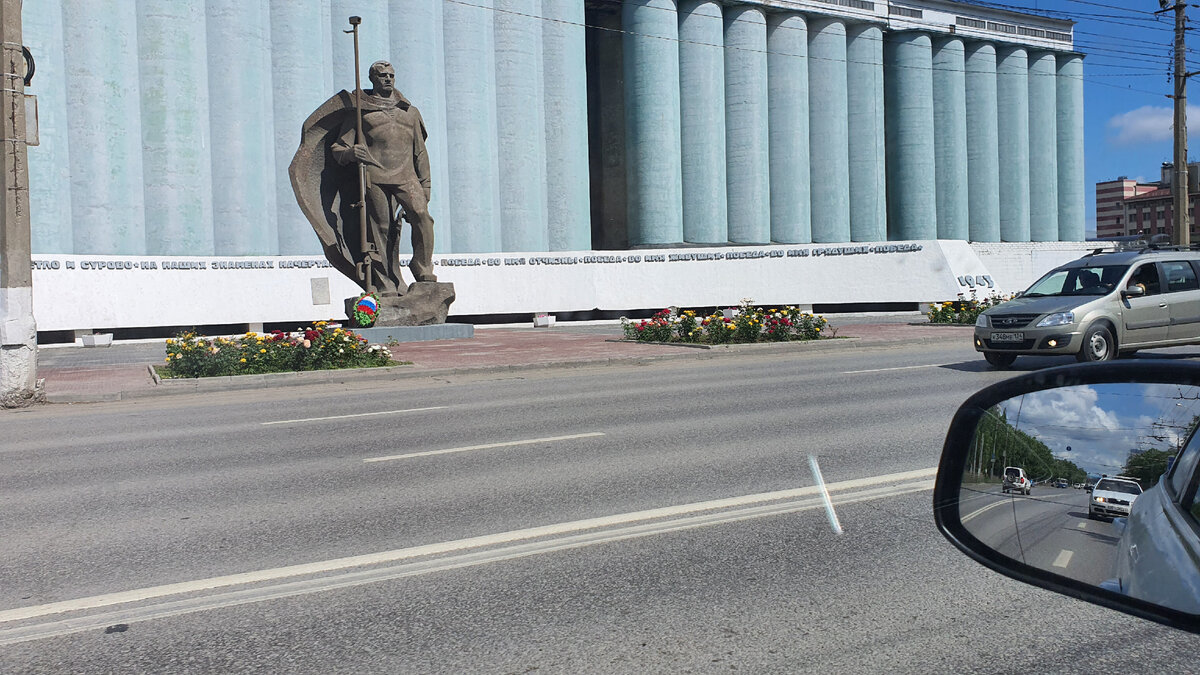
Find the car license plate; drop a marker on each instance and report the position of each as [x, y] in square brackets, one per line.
[1008, 337]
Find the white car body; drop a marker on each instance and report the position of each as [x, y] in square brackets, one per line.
[1113, 497]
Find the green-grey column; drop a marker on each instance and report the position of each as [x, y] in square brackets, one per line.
[1071, 189]
[49, 162]
[172, 54]
[104, 127]
[1043, 147]
[652, 127]
[747, 163]
[568, 179]
[1012, 102]
[983, 160]
[908, 93]
[474, 190]
[520, 125]
[417, 47]
[787, 82]
[868, 150]
[374, 39]
[241, 118]
[828, 130]
[950, 138]
[702, 121]
[299, 32]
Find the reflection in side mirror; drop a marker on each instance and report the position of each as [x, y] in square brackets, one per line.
[1130, 539]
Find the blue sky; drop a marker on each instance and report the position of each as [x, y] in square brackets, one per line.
[1127, 115]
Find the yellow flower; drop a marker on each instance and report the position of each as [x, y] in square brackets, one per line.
[243, 360]
[168, 359]
[262, 351]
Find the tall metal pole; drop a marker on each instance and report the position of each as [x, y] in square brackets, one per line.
[18, 332]
[1181, 232]
[365, 244]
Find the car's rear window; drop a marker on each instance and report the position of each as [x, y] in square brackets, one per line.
[1119, 486]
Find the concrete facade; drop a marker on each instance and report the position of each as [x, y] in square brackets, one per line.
[167, 126]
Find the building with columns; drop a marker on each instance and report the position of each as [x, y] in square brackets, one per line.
[167, 126]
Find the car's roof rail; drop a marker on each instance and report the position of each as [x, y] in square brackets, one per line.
[1097, 251]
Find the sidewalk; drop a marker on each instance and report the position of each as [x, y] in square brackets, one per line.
[78, 374]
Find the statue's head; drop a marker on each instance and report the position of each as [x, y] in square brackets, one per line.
[383, 77]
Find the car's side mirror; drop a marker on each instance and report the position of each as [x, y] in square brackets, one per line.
[1131, 543]
[1134, 292]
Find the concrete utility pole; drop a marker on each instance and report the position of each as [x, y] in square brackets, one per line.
[1181, 228]
[18, 332]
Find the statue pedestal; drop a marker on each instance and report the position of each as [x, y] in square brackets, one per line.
[426, 303]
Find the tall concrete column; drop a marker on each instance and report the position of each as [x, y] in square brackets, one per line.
[568, 180]
[652, 125]
[983, 160]
[18, 331]
[747, 162]
[374, 39]
[417, 54]
[912, 184]
[107, 199]
[1012, 101]
[520, 124]
[828, 131]
[787, 82]
[1043, 147]
[471, 131]
[176, 144]
[242, 113]
[299, 31]
[1071, 189]
[868, 151]
[702, 121]
[50, 161]
[950, 138]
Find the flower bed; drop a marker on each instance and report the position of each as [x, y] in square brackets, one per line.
[322, 346]
[746, 324]
[964, 310]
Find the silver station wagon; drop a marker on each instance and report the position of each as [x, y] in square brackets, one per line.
[1098, 307]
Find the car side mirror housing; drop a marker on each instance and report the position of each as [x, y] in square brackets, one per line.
[1133, 292]
[1132, 541]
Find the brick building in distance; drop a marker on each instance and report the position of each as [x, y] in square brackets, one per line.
[1127, 207]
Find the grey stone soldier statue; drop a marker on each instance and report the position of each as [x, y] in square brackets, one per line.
[397, 178]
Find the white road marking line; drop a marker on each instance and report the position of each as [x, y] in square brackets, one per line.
[467, 559]
[1063, 559]
[976, 512]
[342, 417]
[485, 446]
[880, 370]
[558, 529]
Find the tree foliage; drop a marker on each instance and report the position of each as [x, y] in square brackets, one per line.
[1147, 466]
[999, 444]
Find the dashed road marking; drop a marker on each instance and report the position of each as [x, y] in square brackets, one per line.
[485, 446]
[343, 417]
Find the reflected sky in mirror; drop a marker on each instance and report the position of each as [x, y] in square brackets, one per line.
[1026, 489]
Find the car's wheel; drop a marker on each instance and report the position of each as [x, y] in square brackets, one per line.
[1028, 491]
[999, 361]
[1098, 345]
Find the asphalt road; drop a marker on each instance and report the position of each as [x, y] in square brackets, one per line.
[652, 518]
[1049, 529]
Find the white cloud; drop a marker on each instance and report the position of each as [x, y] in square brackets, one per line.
[1147, 124]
